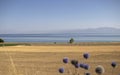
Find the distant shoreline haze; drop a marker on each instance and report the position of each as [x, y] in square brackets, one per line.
[102, 30]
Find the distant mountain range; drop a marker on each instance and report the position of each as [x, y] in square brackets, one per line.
[95, 30]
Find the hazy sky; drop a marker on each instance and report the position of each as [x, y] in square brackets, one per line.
[42, 16]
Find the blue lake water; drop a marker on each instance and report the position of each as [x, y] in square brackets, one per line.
[60, 37]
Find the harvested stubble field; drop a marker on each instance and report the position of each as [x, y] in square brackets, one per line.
[46, 60]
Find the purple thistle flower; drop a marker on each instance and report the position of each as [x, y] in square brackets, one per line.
[86, 66]
[61, 70]
[87, 73]
[81, 65]
[77, 65]
[74, 62]
[86, 55]
[113, 64]
[65, 60]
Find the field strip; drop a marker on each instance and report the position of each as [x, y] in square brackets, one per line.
[61, 48]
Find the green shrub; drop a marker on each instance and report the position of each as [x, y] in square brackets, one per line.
[71, 41]
[1, 40]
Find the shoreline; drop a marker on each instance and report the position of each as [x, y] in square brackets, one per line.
[60, 44]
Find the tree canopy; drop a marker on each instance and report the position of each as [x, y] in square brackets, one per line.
[1, 40]
[71, 41]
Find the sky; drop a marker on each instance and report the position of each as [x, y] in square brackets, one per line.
[44, 16]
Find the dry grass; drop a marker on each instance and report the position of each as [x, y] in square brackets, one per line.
[45, 60]
[61, 48]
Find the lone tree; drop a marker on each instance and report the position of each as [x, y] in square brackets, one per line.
[71, 41]
[1, 40]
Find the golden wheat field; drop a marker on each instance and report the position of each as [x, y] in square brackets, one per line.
[46, 60]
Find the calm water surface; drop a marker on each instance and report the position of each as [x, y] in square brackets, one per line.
[60, 37]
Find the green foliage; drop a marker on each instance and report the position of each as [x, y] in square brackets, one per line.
[13, 44]
[71, 41]
[55, 42]
[1, 40]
